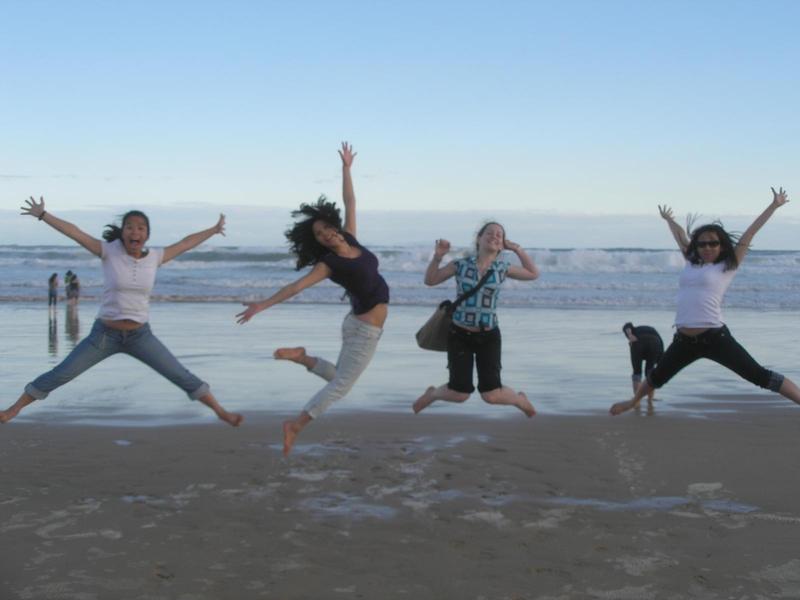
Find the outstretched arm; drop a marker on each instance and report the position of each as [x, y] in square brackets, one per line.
[348, 194]
[193, 240]
[435, 275]
[36, 209]
[677, 231]
[528, 271]
[318, 273]
[779, 198]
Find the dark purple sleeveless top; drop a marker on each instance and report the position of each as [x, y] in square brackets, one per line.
[359, 276]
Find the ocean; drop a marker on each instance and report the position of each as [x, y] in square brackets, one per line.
[562, 338]
[618, 278]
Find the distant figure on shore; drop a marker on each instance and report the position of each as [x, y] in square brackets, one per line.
[320, 240]
[129, 270]
[52, 291]
[645, 346]
[474, 335]
[73, 288]
[712, 258]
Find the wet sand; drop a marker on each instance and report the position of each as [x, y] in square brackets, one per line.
[403, 506]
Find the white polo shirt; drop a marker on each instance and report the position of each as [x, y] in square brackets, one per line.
[700, 293]
[128, 282]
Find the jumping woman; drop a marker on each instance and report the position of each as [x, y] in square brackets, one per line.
[712, 259]
[474, 335]
[129, 270]
[320, 240]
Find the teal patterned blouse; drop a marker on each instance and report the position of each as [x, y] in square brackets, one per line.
[480, 309]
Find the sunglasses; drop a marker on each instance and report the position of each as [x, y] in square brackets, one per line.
[711, 244]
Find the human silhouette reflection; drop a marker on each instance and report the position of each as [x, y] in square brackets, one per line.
[52, 334]
[73, 325]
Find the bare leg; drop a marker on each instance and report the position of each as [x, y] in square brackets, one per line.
[790, 390]
[432, 394]
[505, 395]
[13, 410]
[230, 418]
[291, 429]
[297, 355]
[643, 390]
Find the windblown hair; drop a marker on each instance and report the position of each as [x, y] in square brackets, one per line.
[483, 228]
[114, 232]
[301, 238]
[727, 243]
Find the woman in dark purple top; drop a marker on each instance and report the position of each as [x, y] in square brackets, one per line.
[334, 252]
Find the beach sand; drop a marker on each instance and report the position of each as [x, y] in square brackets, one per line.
[405, 506]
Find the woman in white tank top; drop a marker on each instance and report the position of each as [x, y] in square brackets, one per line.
[712, 258]
[129, 273]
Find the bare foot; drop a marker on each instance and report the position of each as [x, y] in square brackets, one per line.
[289, 436]
[621, 407]
[7, 415]
[525, 405]
[233, 419]
[293, 354]
[424, 401]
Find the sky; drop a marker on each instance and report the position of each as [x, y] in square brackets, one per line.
[560, 113]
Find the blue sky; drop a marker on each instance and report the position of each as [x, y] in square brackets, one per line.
[568, 108]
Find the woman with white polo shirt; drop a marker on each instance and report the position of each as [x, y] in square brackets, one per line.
[712, 260]
[129, 270]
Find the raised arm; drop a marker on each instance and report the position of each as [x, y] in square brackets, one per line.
[318, 273]
[528, 271]
[677, 231]
[36, 209]
[193, 240]
[348, 194]
[434, 275]
[779, 198]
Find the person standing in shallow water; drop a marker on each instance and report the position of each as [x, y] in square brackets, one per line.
[646, 346]
[52, 291]
[321, 241]
[129, 270]
[474, 335]
[712, 259]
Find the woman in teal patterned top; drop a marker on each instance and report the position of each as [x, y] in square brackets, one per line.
[474, 336]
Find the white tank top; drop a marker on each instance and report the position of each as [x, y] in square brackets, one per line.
[127, 282]
[700, 293]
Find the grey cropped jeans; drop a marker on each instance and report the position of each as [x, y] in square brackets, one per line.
[102, 342]
[359, 341]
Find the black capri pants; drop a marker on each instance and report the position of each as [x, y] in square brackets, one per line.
[484, 346]
[718, 345]
[647, 349]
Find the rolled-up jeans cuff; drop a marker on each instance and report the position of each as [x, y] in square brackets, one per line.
[636, 378]
[36, 393]
[200, 392]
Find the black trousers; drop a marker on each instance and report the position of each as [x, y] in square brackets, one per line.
[719, 346]
[647, 349]
[481, 347]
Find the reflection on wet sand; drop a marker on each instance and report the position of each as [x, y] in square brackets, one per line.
[72, 327]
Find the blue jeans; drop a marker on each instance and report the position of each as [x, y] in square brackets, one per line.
[102, 342]
[359, 341]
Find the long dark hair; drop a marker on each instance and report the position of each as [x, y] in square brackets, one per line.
[727, 241]
[52, 279]
[114, 232]
[301, 238]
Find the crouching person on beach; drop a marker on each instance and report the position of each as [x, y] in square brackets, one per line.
[712, 259]
[474, 334]
[320, 240]
[129, 271]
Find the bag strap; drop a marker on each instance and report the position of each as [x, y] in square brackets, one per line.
[473, 291]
